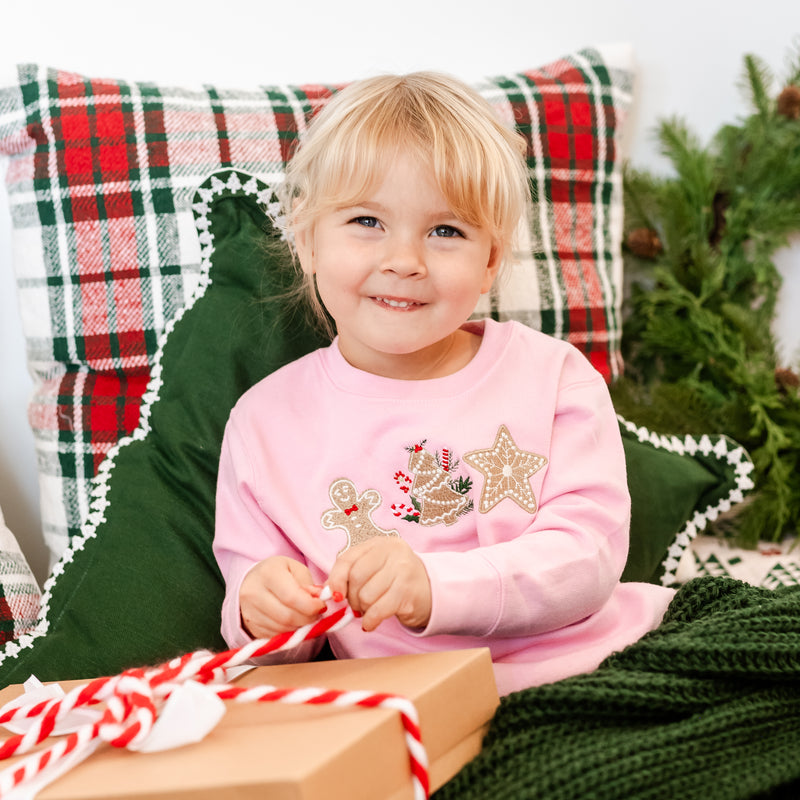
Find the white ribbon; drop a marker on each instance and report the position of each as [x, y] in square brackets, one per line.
[190, 712]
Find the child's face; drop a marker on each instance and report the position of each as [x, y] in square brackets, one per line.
[399, 274]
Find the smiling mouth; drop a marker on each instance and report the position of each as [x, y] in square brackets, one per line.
[401, 304]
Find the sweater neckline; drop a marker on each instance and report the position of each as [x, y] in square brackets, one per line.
[348, 378]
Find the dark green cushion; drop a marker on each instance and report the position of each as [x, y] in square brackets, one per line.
[677, 487]
[140, 585]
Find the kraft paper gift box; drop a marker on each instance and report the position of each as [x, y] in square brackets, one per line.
[283, 752]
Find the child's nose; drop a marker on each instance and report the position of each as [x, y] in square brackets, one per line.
[405, 258]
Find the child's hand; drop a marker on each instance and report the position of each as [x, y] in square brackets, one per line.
[278, 595]
[381, 578]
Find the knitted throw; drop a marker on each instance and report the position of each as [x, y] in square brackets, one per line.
[706, 706]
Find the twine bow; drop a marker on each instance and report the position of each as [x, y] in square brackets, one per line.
[134, 700]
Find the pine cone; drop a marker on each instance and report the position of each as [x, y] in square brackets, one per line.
[789, 102]
[786, 380]
[719, 207]
[644, 242]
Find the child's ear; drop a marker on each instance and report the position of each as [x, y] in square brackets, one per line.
[303, 242]
[492, 267]
[304, 247]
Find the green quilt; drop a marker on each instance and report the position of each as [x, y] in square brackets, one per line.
[707, 706]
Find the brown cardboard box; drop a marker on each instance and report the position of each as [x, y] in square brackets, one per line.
[279, 752]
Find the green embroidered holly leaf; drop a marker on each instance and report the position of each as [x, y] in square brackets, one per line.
[462, 484]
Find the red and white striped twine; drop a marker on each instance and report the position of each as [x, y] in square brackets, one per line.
[134, 698]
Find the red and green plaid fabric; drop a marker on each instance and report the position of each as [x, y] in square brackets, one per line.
[101, 175]
[569, 280]
[20, 597]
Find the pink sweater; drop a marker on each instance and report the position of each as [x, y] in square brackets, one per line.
[507, 478]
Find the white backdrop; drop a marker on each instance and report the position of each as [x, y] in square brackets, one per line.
[689, 59]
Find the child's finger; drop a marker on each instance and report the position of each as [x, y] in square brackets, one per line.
[381, 609]
[299, 599]
[290, 587]
[339, 577]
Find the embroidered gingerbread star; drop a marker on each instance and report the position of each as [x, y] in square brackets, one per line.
[506, 470]
[353, 512]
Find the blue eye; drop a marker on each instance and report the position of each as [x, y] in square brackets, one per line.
[446, 231]
[367, 222]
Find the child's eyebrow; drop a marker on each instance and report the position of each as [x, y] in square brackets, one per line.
[444, 213]
[364, 205]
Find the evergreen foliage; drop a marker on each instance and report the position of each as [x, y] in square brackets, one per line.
[700, 355]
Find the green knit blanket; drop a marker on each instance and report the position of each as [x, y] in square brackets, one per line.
[706, 706]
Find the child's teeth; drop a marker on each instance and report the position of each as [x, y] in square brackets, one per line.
[396, 303]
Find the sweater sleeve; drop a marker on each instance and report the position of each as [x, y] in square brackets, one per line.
[565, 563]
[245, 535]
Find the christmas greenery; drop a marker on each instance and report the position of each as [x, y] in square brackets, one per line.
[700, 355]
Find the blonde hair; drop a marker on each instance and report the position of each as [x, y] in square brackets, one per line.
[477, 161]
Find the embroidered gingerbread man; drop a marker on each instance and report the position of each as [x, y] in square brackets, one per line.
[353, 512]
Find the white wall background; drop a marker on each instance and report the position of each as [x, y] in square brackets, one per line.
[689, 58]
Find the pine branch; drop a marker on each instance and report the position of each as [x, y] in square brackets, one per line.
[756, 83]
[695, 168]
[698, 340]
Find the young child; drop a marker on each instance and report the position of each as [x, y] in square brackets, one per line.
[461, 483]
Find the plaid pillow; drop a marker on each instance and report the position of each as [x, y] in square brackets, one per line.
[100, 178]
[20, 597]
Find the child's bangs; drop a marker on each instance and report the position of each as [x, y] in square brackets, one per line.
[354, 169]
[467, 187]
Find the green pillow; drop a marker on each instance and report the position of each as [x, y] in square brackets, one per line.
[677, 487]
[140, 584]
